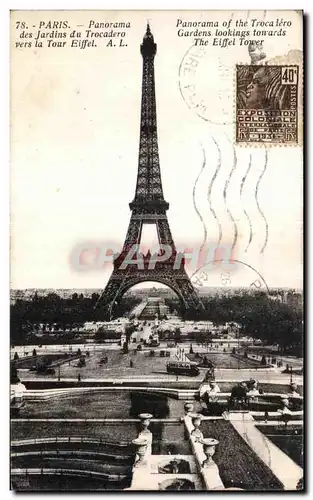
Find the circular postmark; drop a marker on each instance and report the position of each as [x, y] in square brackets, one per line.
[230, 275]
[206, 84]
[221, 90]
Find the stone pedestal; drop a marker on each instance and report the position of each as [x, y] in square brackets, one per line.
[145, 433]
[196, 421]
[141, 446]
[188, 407]
[145, 420]
[209, 450]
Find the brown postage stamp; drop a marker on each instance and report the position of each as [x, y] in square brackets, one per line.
[267, 104]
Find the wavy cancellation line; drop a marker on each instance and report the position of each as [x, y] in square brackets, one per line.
[219, 164]
[225, 198]
[243, 181]
[257, 201]
[205, 232]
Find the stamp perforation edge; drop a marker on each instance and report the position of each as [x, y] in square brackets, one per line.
[300, 91]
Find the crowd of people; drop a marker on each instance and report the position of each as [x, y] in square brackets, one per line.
[242, 394]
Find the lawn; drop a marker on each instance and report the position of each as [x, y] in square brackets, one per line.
[108, 404]
[64, 483]
[289, 439]
[238, 464]
[118, 366]
[28, 362]
[167, 437]
[226, 360]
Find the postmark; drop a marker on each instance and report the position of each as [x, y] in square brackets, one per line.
[267, 104]
[211, 102]
[232, 274]
[262, 99]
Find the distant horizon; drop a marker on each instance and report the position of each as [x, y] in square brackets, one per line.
[223, 287]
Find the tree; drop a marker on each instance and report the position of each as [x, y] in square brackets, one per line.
[125, 348]
[94, 297]
[285, 417]
[14, 378]
[177, 335]
[42, 366]
[205, 361]
[82, 362]
[129, 329]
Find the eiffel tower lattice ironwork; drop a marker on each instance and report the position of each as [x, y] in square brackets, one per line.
[149, 207]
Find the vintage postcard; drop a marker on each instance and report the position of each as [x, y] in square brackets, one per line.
[156, 250]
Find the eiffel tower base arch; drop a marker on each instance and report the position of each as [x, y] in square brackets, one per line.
[176, 279]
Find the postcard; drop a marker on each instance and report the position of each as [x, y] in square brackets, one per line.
[156, 204]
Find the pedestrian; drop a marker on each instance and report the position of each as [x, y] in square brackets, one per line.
[79, 377]
[213, 391]
[238, 396]
[252, 388]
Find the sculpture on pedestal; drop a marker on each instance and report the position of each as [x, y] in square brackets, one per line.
[209, 450]
[188, 407]
[196, 421]
[141, 450]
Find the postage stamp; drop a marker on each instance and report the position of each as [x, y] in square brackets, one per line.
[267, 104]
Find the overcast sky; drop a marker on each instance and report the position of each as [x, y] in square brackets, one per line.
[74, 151]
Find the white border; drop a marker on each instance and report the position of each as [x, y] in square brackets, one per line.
[7, 5]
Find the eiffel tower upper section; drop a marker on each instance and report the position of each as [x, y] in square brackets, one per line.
[149, 207]
[149, 193]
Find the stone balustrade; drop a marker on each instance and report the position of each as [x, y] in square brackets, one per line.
[203, 450]
[181, 394]
[143, 447]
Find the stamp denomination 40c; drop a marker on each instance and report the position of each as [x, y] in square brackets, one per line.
[267, 104]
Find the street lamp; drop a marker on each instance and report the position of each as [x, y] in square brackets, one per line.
[237, 333]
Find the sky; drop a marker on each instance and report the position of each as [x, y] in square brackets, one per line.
[75, 116]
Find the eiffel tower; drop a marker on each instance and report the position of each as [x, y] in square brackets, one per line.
[149, 207]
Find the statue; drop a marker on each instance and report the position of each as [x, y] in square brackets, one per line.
[175, 466]
[177, 484]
